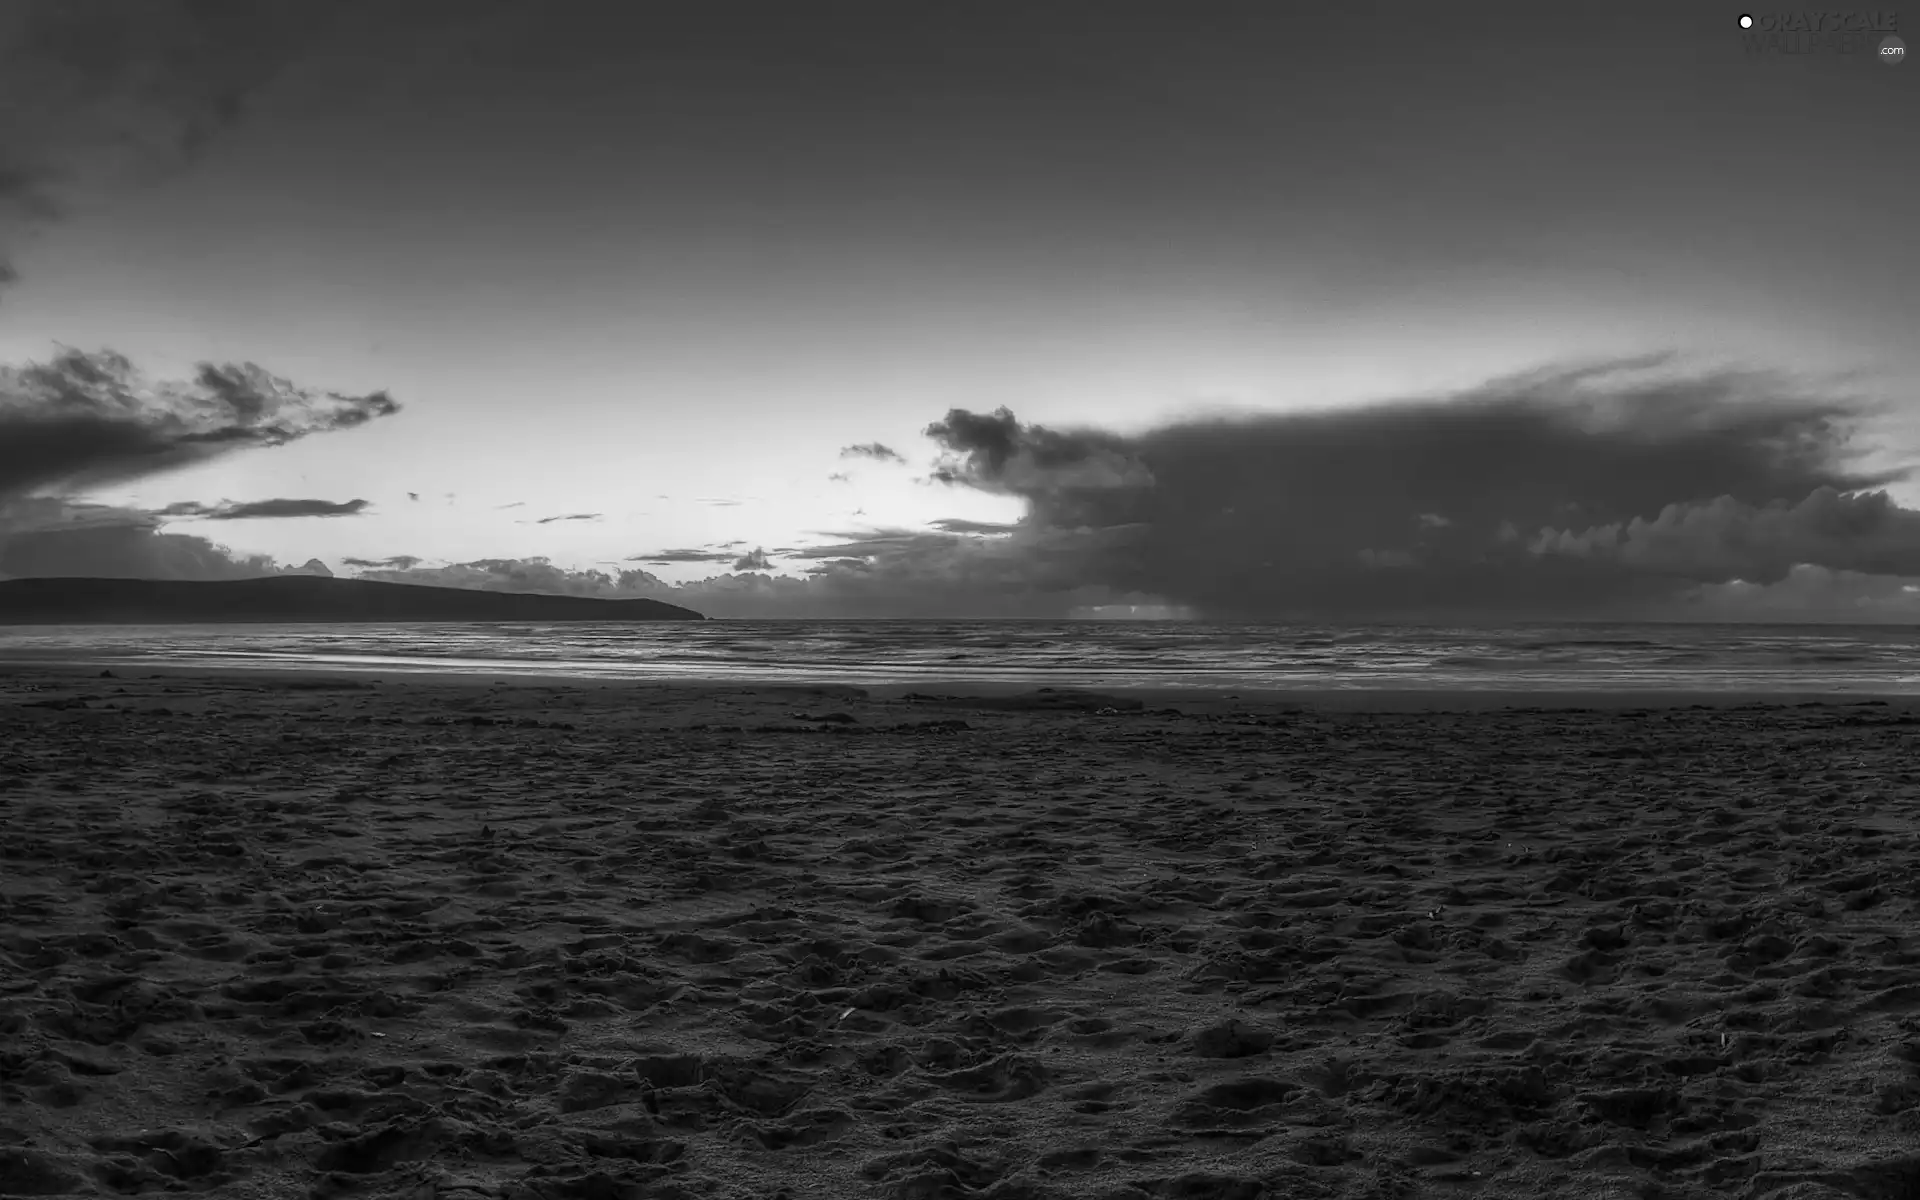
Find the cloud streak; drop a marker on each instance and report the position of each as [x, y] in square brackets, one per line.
[398, 562]
[262, 509]
[959, 525]
[664, 557]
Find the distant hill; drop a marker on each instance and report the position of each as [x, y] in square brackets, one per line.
[296, 598]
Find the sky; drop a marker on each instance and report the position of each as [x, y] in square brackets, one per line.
[1250, 310]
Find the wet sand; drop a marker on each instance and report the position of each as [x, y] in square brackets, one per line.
[272, 935]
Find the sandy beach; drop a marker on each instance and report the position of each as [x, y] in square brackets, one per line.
[266, 936]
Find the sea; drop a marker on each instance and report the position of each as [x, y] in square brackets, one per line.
[1109, 654]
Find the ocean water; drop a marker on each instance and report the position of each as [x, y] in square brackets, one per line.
[1112, 654]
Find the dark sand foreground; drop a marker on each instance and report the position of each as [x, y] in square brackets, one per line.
[269, 938]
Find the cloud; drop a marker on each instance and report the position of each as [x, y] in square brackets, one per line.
[1418, 507]
[94, 543]
[257, 509]
[839, 477]
[88, 419]
[717, 502]
[755, 560]
[519, 575]
[874, 451]
[413, 495]
[959, 525]
[38, 514]
[569, 517]
[1808, 592]
[399, 562]
[870, 544]
[906, 575]
[55, 536]
[682, 556]
[995, 453]
[1864, 532]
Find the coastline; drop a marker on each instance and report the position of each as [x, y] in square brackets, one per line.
[1197, 698]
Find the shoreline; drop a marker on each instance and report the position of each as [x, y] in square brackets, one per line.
[1316, 698]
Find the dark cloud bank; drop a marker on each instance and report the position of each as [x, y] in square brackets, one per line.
[1623, 488]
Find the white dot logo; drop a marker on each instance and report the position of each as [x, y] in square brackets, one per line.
[1746, 22]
